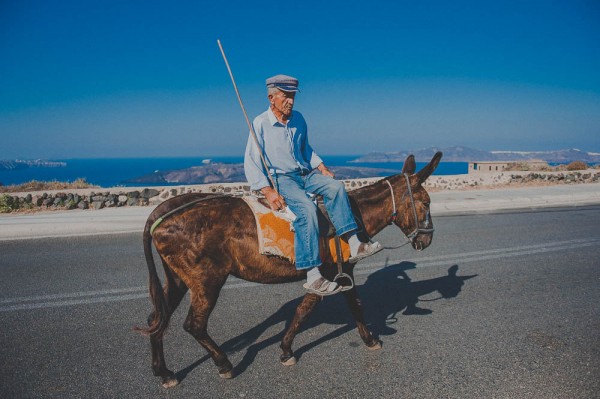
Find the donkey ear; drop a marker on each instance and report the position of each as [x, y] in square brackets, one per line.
[430, 167]
[409, 165]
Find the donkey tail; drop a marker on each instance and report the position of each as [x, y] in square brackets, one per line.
[158, 321]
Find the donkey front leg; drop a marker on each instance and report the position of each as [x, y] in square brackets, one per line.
[302, 312]
[355, 306]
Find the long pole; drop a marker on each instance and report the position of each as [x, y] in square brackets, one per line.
[237, 92]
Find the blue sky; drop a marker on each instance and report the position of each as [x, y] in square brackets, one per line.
[144, 79]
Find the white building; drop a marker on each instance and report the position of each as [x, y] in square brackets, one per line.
[500, 166]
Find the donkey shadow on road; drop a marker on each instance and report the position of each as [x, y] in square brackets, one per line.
[386, 293]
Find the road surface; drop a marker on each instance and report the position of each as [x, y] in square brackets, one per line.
[502, 305]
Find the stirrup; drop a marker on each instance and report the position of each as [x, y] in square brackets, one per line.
[342, 276]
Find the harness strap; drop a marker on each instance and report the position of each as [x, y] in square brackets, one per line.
[338, 251]
[414, 208]
[341, 274]
[394, 212]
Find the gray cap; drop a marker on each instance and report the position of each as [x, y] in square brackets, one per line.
[283, 82]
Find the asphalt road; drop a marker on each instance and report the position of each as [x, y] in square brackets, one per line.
[519, 319]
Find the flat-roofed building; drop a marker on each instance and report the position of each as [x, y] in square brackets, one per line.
[499, 166]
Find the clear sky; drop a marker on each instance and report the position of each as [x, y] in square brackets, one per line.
[143, 78]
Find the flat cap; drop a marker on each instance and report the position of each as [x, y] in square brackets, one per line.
[283, 82]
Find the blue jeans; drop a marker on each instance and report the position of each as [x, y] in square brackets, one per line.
[293, 187]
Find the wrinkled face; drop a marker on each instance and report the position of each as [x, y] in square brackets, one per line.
[283, 102]
[420, 239]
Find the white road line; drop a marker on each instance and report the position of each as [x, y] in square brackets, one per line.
[42, 305]
[507, 253]
[72, 295]
[69, 235]
[124, 294]
[483, 255]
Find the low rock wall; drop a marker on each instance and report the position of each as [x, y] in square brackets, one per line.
[128, 196]
[487, 180]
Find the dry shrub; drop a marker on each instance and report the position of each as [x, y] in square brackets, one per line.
[517, 166]
[35, 185]
[577, 165]
[525, 166]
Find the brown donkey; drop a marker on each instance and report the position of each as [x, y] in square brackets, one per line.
[200, 245]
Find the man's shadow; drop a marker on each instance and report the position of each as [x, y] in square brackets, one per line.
[386, 293]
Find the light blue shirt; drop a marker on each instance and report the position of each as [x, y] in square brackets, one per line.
[285, 147]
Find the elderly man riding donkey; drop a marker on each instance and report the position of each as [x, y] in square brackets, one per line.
[204, 238]
[280, 137]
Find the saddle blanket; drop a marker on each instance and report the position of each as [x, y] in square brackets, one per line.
[276, 235]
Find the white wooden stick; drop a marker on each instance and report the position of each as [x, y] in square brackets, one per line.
[237, 92]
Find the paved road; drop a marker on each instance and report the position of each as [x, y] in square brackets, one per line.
[519, 319]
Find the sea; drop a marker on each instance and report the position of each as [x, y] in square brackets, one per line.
[113, 172]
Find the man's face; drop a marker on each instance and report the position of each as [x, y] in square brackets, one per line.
[283, 101]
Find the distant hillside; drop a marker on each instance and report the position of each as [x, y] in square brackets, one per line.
[210, 173]
[466, 154]
[32, 163]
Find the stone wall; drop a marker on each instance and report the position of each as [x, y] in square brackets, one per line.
[129, 196]
[487, 180]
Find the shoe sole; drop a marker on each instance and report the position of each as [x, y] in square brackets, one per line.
[326, 293]
[358, 258]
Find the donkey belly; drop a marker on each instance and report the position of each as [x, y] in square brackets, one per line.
[267, 270]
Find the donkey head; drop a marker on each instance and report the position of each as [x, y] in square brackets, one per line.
[413, 216]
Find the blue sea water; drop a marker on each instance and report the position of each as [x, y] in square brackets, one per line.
[110, 172]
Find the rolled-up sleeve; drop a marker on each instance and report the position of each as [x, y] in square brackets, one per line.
[253, 167]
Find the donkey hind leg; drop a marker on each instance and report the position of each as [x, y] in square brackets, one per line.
[203, 302]
[355, 306]
[302, 312]
[174, 291]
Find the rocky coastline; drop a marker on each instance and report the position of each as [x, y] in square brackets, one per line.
[99, 198]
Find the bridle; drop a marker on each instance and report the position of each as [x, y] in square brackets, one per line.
[425, 229]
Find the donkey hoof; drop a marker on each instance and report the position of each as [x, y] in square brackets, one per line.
[288, 361]
[226, 375]
[375, 346]
[226, 370]
[169, 382]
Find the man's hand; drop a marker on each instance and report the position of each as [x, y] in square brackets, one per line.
[324, 171]
[276, 201]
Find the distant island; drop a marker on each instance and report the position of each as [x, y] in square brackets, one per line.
[234, 172]
[466, 154]
[31, 163]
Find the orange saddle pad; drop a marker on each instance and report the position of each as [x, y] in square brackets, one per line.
[276, 235]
